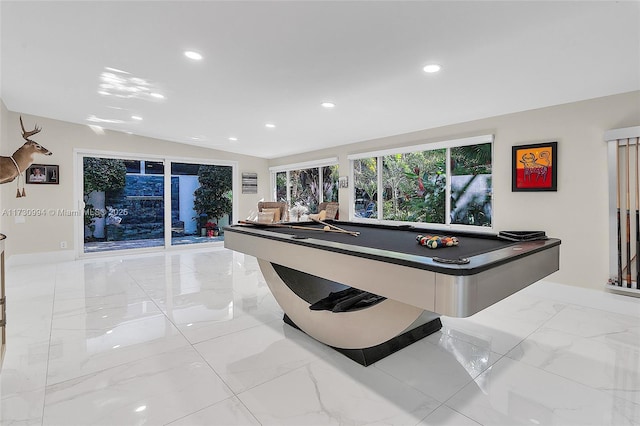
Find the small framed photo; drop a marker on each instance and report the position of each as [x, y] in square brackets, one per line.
[43, 173]
[535, 167]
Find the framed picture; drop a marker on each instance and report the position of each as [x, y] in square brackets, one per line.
[535, 167]
[249, 183]
[43, 173]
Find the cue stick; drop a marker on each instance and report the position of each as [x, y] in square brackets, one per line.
[306, 228]
[633, 259]
[628, 241]
[354, 233]
[320, 217]
[618, 183]
[637, 216]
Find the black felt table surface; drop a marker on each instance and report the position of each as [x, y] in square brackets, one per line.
[398, 239]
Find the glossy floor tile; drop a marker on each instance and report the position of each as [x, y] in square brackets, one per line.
[230, 412]
[194, 337]
[337, 391]
[511, 393]
[251, 357]
[583, 339]
[440, 369]
[152, 390]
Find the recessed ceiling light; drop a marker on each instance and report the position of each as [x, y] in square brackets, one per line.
[431, 68]
[193, 55]
[328, 104]
[136, 117]
[270, 125]
[232, 139]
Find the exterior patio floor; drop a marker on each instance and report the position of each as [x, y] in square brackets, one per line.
[99, 246]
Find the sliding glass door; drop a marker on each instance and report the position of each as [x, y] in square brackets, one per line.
[134, 204]
[201, 202]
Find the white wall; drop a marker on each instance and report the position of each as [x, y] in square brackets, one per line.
[4, 114]
[577, 213]
[44, 233]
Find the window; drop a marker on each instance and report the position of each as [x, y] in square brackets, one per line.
[124, 205]
[414, 186]
[139, 203]
[365, 172]
[307, 184]
[471, 185]
[305, 188]
[281, 187]
[446, 183]
[330, 183]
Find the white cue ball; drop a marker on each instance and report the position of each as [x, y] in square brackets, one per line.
[326, 228]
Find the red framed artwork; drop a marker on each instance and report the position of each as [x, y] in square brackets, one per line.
[535, 167]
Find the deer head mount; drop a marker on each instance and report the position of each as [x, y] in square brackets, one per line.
[25, 134]
[13, 166]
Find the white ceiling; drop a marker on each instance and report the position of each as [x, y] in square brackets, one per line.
[277, 61]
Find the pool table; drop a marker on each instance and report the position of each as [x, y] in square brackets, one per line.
[415, 285]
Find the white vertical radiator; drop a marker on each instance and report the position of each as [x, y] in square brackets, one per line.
[624, 210]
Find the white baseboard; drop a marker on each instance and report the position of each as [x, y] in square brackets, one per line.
[42, 257]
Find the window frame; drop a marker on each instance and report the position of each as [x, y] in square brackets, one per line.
[315, 164]
[167, 160]
[445, 144]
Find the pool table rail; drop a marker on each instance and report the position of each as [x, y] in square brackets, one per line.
[476, 264]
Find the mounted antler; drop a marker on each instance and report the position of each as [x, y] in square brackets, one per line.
[25, 134]
[13, 166]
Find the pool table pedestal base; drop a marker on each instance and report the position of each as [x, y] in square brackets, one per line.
[367, 356]
[364, 335]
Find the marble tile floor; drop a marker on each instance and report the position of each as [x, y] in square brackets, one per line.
[195, 338]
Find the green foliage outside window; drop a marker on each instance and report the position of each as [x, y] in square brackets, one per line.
[471, 185]
[471, 160]
[212, 200]
[414, 185]
[365, 187]
[101, 175]
[305, 186]
[330, 177]
[281, 186]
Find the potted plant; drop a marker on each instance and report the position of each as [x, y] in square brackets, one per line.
[212, 229]
[212, 200]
